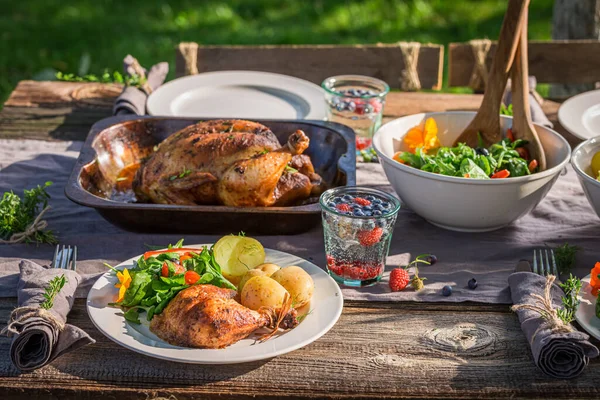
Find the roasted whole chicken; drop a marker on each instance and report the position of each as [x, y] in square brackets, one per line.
[206, 316]
[229, 162]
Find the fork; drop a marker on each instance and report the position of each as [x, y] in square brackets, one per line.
[544, 265]
[65, 258]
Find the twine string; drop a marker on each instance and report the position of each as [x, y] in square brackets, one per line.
[189, 51]
[37, 225]
[480, 74]
[20, 315]
[410, 77]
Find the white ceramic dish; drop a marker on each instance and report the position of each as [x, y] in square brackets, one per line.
[326, 307]
[581, 161]
[239, 94]
[586, 312]
[462, 204]
[580, 115]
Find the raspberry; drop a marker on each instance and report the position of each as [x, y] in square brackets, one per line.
[361, 201]
[369, 238]
[343, 207]
[399, 279]
[362, 143]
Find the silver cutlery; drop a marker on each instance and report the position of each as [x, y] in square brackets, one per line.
[544, 262]
[65, 258]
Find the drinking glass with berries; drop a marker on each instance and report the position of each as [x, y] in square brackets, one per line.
[357, 224]
[356, 101]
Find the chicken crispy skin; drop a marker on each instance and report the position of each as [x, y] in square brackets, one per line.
[230, 162]
[205, 316]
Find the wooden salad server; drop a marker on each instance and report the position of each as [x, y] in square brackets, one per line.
[522, 126]
[487, 119]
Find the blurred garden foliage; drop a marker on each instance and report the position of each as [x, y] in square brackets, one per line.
[40, 37]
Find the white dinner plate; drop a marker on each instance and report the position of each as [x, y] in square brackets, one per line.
[586, 312]
[238, 94]
[580, 115]
[325, 309]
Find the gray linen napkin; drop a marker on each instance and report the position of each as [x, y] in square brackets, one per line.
[537, 114]
[38, 340]
[133, 100]
[560, 355]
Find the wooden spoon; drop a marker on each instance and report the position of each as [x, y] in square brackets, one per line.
[487, 119]
[522, 126]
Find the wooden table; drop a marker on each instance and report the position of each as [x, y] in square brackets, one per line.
[376, 350]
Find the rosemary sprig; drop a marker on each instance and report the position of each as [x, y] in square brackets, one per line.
[290, 170]
[183, 174]
[54, 286]
[565, 257]
[570, 300]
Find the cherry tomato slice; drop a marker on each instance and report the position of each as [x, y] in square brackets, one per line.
[180, 251]
[501, 174]
[164, 270]
[191, 277]
[533, 165]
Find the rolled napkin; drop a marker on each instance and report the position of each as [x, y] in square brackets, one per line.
[133, 99]
[40, 335]
[535, 103]
[559, 350]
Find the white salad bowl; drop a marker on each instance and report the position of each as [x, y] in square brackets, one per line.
[464, 204]
[581, 161]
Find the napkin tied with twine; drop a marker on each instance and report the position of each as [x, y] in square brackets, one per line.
[558, 349]
[40, 335]
[133, 99]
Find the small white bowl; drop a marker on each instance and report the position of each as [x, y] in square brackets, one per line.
[581, 161]
[463, 204]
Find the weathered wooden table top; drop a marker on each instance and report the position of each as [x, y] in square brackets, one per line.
[376, 350]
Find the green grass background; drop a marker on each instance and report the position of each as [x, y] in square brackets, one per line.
[38, 37]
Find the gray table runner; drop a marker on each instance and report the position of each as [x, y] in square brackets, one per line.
[564, 215]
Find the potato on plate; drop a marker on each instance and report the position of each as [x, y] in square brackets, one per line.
[297, 282]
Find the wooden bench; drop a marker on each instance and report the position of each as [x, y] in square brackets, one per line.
[559, 61]
[316, 62]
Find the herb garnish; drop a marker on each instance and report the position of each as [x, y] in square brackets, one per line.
[506, 110]
[106, 77]
[54, 286]
[18, 214]
[570, 300]
[565, 257]
[290, 170]
[183, 174]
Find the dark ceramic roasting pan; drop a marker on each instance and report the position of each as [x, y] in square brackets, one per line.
[116, 142]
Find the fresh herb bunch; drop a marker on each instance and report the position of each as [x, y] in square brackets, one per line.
[54, 286]
[106, 77]
[504, 110]
[465, 161]
[565, 257]
[150, 291]
[17, 214]
[570, 300]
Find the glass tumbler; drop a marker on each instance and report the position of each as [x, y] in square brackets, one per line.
[358, 224]
[356, 101]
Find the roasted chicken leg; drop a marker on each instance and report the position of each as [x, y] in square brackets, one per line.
[206, 316]
[235, 163]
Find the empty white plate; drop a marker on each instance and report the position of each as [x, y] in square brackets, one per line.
[580, 115]
[238, 94]
[586, 312]
[325, 309]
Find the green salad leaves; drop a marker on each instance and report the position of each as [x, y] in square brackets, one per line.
[467, 162]
[159, 275]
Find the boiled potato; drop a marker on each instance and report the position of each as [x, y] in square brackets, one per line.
[262, 291]
[249, 275]
[238, 254]
[268, 268]
[297, 282]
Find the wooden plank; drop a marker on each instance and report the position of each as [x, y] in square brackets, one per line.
[559, 61]
[47, 111]
[315, 63]
[372, 352]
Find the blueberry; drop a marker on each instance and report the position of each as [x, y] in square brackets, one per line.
[376, 201]
[377, 213]
[351, 106]
[385, 205]
[347, 198]
[368, 208]
[378, 207]
[352, 92]
[482, 151]
[340, 107]
[370, 93]
[447, 290]
[358, 213]
[370, 198]
[368, 213]
[430, 258]
[331, 204]
[337, 200]
[472, 283]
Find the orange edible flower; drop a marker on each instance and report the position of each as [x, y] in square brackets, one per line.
[123, 285]
[426, 138]
[594, 280]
